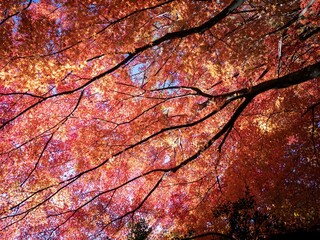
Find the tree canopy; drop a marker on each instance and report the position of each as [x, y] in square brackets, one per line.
[167, 113]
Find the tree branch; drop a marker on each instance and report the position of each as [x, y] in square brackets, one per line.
[225, 128]
[209, 234]
[305, 74]
[16, 13]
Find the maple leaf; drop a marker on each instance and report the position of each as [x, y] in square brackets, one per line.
[155, 113]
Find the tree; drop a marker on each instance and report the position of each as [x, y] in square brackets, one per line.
[139, 230]
[245, 221]
[111, 110]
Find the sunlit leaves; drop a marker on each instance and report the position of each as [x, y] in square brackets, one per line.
[119, 110]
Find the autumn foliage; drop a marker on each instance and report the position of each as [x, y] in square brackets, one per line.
[164, 112]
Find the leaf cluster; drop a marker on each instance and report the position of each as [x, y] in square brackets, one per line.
[139, 230]
[244, 220]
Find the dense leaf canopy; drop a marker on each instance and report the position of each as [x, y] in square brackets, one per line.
[117, 111]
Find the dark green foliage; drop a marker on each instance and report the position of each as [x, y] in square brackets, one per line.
[298, 235]
[189, 235]
[244, 220]
[139, 230]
